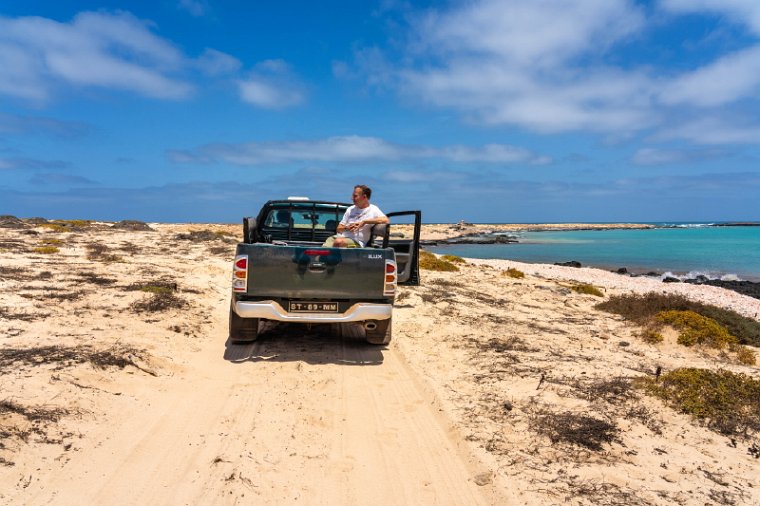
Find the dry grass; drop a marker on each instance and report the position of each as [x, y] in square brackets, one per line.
[67, 356]
[574, 428]
[430, 262]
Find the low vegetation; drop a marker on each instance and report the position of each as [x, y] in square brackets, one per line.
[574, 428]
[697, 329]
[162, 296]
[46, 250]
[725, 401]
[66, 225]
[587, 289]
[67, 356]
[98, 252]
[454, 259]
[431, 262]
[643, 309]
[205, 236]
[514, 273]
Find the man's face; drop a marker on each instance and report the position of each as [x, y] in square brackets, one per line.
[358, 197]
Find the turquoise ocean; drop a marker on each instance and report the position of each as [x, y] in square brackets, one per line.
[684, 250]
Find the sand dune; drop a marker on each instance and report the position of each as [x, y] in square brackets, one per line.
[118, 387]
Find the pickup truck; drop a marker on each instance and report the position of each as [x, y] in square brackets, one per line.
[282, 273]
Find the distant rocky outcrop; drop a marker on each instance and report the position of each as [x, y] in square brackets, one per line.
[571, 263]
[472, 239]
[8, 221]
[134, 225]
[748, 288]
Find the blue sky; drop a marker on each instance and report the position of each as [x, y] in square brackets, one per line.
[483, 110]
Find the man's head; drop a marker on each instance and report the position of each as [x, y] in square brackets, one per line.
[361, 195]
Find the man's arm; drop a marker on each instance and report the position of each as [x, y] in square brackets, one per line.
[377, 220]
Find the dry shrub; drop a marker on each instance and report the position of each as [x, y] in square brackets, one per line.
[95, 279]
[725, 401]
[39, 419]
[205, 236]
[514, 273]
[431, 262]
[15, 273]
[744, 355]
[68, 356]
[98, 252]
[574, 428]
[159, 301]
[587, 289]
[6, 314]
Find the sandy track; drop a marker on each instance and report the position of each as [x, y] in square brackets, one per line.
[312, 419]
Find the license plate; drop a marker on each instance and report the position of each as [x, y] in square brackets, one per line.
[313, 307]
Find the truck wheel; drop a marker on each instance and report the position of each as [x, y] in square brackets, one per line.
[381, 334]
[243, 330]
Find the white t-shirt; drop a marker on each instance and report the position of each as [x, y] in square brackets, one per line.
[354, 214]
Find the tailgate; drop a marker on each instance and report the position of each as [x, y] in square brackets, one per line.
[315, 272]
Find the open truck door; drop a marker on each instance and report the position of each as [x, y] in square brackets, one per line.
[403, 236]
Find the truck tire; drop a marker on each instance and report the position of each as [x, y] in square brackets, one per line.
[382, 334]
[243, 330]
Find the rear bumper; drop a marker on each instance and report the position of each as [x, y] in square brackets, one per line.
[270, 310]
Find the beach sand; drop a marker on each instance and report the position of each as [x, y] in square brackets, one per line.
[457, 410]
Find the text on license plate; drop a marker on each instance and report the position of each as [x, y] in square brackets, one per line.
[313, 307]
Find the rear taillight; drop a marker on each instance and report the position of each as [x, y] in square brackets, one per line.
[391, 279]
[240, 274]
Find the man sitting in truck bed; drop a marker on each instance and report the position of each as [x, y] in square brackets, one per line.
[355, 227]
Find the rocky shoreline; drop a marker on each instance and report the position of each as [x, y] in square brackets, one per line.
[467, 233]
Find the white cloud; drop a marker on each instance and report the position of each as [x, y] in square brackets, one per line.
[115, 51]
[714, 131]
[214, 63]
[272, 85]
[724, 81]
[527, 64]
[539, 33]
[556, 66]
[351, 149]
[657, 156]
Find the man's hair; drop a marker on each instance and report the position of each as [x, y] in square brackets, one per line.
[366, 190]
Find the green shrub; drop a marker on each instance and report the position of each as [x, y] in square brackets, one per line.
[652, 336]
[587, 289]
[431, 262]
[514, 273]
[47, 250]
[727, 402]
[697, 329]
[644, 308]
